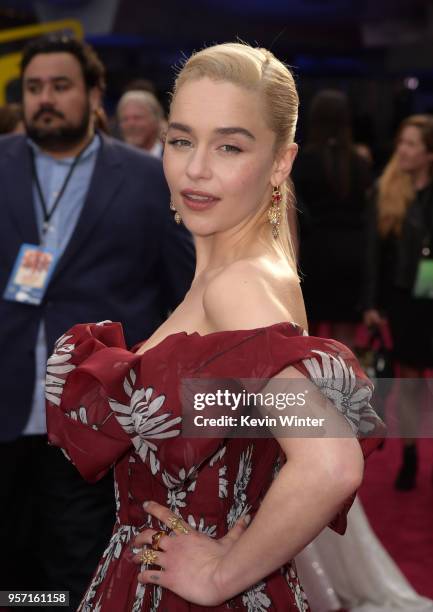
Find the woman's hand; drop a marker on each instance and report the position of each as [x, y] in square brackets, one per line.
[187, 562]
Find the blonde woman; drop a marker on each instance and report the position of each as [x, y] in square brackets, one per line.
[400, 254]
[211, 523]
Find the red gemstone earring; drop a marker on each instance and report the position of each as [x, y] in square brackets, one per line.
[274, 211]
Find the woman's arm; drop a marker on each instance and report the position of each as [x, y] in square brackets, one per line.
[318, 477]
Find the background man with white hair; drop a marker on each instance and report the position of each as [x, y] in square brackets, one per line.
[141, 117]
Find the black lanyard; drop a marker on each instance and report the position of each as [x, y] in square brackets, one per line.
[49, 214]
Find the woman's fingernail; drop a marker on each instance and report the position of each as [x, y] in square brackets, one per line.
[247, 519]
[145, 504]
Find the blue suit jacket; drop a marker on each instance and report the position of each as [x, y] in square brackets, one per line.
[127, 261]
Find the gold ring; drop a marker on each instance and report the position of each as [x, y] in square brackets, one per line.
[176, 523]
[156, 538]
[148, 556]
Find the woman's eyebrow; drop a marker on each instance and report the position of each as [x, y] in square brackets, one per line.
[235, 130]
[226, 131]
[180, 126]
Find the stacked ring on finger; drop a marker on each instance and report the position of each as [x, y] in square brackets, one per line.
[156, 538]
[176, 524]
[149, 556]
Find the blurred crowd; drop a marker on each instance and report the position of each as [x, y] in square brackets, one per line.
[366, 249]
[365, 238]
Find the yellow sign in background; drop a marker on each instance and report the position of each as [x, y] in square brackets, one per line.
[10, 62]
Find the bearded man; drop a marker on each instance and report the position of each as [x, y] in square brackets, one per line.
[86, 235]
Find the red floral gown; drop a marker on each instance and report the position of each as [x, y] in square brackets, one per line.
[107, 406]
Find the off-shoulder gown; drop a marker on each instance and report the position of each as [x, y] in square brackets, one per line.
[108, 406]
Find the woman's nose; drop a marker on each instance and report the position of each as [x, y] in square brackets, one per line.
[199, 164]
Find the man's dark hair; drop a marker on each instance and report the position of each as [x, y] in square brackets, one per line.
[92, 67]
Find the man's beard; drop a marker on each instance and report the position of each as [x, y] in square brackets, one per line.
[59, 138]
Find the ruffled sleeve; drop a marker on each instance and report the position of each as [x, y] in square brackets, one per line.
[264, 353]
[336, 372]
[86, 368]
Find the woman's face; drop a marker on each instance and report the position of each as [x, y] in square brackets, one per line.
[219, 155]
[412, 154]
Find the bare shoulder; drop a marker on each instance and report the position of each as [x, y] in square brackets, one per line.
[252, 293]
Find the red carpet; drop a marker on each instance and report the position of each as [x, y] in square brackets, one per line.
[403, 521]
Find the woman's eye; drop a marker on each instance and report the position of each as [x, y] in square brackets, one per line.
[179, 142]
[230, 149]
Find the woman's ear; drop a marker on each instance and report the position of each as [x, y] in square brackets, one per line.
[283, 164]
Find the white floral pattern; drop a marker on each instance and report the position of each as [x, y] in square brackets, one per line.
[140, 421]
[177, 489]
[173, 482]
[118, 540]
[81, 416]
[295, 587]
[139, 597]
[98, 606]
[239, 506]
[58, 364]
[255, 599]
[176, 499]
[222, 482]
[117, 497]
[218, 455]
[338, 382]
[222, 472]
[209, 530]
[156, 598]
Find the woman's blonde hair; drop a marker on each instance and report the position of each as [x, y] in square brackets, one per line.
[256, 69]
[396, 190]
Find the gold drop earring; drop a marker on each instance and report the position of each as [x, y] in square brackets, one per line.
[177, 216]
[274, 211]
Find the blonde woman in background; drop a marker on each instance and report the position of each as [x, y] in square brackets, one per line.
[399, 284]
